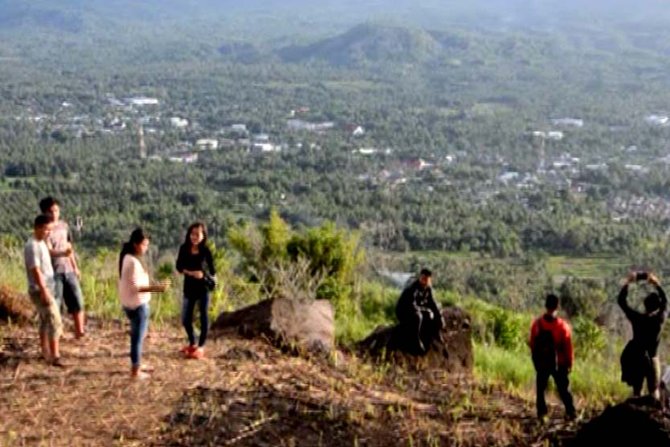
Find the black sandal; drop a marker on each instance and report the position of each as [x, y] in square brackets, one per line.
[57, 363]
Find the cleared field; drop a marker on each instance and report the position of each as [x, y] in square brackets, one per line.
[559, 267]
[596, 267]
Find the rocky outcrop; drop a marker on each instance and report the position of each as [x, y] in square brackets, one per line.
[14, 306]
[300, 324]
[453, 353]
[637, 421]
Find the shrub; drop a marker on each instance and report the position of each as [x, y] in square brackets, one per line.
[273, 256]
[496, 325]
[331, 250]
[582, 297]
[508, 329]
[589, 338]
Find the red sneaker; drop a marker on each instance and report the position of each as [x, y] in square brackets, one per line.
[197, 354]
[187, 350]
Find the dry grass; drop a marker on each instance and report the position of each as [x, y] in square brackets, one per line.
[245, 393]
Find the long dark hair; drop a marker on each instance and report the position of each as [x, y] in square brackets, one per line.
[193, 226]
[136, 237]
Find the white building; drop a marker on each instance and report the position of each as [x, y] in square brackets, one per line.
[239, 128]
[555, 135]
[265, 147]
[366, 150]
[299, 125]
[312, 127]
[207, 144]
[142, 101]
[184, 158]
[596, 167]
[568, 122]
[657, 120]
[636, 168]
[324, 125]
[178, 122]
[507, 177]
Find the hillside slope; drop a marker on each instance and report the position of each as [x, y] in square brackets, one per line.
[369, 43]
[245, 393]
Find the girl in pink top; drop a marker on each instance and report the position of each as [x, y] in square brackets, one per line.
[135, 291]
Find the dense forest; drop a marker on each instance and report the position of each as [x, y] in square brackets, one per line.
[541, 130]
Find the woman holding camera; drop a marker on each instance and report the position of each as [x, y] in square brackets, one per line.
[196, 264]
[639, 359]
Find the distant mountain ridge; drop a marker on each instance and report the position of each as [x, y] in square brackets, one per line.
[77, 15]
[13, 16]
[374, 43]
[298, 31]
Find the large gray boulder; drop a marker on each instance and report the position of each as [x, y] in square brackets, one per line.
[453, 353]
[287, 323]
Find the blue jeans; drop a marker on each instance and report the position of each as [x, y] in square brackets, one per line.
[68, 291]
[139, 322]
[188, 309]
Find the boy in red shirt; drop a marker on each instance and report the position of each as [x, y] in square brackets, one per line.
[551, 347]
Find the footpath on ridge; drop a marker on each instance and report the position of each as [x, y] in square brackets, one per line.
[249, 393]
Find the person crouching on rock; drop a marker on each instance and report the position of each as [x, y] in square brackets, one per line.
[135, 290]
[418, 314]
[639, 359]
[551, 348]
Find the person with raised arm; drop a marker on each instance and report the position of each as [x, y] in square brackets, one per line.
[639, 359]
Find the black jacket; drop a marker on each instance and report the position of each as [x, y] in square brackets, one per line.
[194, 288]
[416, 299]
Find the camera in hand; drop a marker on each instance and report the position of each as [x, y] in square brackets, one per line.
[641, 276]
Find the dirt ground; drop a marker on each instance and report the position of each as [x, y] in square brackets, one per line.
[245, 393]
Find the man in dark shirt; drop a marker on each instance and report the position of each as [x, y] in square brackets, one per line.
[639, 359]
[418, 313]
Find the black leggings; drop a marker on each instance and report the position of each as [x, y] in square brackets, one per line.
[187, 318]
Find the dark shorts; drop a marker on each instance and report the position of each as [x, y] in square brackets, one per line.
[68, 291]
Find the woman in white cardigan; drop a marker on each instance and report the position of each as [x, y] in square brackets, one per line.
[135, 290]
